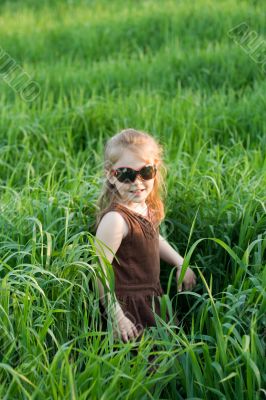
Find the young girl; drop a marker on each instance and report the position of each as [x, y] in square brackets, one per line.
[130, 211]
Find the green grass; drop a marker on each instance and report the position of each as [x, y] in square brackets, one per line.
[169, 68]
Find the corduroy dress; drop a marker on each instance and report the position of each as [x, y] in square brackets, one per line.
[137, 271]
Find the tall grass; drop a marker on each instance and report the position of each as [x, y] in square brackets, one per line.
[171, 69]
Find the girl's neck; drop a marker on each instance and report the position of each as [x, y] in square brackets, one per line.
[138, 207]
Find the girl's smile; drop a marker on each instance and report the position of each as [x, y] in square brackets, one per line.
[137, 192]
[135, 195]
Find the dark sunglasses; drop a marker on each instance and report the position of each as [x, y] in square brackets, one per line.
[129, 174]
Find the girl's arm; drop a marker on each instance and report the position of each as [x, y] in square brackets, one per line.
[168, 254]
[110, 231]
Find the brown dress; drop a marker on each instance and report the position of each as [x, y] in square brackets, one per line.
[137, 274]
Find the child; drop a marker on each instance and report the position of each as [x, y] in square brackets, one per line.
[130, 212]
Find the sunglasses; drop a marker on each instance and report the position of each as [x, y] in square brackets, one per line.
[129, 174]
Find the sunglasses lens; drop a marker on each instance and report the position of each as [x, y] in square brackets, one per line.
[147, 172]
[125, 175]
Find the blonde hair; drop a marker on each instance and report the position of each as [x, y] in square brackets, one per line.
[133, 140]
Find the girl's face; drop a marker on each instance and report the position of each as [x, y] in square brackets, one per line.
[132, 193]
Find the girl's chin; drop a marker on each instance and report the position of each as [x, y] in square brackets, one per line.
[137, 195]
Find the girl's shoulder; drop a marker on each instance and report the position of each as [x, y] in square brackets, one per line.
[113, 221]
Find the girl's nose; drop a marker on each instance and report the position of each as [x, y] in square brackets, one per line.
[138, 181]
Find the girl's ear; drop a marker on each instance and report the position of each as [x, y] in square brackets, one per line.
[109, 176]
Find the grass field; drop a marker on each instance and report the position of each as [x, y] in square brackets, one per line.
[172, 69]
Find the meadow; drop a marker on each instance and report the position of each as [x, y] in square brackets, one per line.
[169, 68]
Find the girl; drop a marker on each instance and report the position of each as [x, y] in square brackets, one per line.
[130, 211]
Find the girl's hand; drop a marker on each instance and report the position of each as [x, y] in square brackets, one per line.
[189, 280]
[126, 329]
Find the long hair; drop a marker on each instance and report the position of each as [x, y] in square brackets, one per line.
[135, 141]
